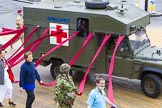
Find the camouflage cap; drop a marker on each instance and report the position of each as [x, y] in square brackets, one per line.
[64, 68]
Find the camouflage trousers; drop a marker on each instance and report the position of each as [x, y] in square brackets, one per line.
[63, 105]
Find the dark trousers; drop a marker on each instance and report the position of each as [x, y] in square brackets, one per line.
[30, 98]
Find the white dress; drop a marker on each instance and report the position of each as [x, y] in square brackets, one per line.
[7, 88]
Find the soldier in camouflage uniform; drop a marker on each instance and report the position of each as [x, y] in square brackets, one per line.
[64, 90]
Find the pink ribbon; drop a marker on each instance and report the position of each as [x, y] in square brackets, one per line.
[6, 29]
[50, 83]
[38, 43]
[10, 31]
[80, 51]
[27, 48]
[82, 84]
[26, 40]
[55, 48]
[50, 51]
[19, 32]
[74, 58]
[110, 89]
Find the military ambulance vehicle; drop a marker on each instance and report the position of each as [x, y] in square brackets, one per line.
[135, 57]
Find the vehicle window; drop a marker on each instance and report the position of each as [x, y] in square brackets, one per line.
[100, 38]
[123, 46]
[82, 27]
[138, 39]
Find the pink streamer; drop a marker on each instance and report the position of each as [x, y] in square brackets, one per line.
[12, 61]
[80, 51]
[32, 49]
[26, 40]
[50, 51]
[10, 31]
[50, 84]
[38, 43]
[74, 58]
[110, 89]
[28, 47]
[55, 48]
[6, 29]
[21, 30]
[82, 84]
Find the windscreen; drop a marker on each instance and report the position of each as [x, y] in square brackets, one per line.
[138, 39]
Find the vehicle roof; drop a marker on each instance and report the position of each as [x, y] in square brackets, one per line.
[132, 13]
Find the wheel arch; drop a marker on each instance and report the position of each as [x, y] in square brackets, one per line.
[56, 60]
[49, 61]
[152, 70]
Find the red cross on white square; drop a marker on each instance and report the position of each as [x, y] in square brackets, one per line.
[58, 38]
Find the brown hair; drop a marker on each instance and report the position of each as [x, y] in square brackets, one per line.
[27, 54]
[99, 78]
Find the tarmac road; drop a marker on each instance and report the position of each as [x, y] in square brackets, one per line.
[127, 92]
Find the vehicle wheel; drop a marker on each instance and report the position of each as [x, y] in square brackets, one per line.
[151, 85]
[55, 69]
[96, 4]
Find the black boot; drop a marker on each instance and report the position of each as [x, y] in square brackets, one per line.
[1, 104]
[12, 104]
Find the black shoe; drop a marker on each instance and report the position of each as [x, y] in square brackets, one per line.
[12, 104]
[1, 104]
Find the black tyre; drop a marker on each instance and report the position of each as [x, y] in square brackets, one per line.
[96, 4]
[55, 69]
[151, 85]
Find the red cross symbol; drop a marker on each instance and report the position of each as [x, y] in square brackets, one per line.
[58, 35]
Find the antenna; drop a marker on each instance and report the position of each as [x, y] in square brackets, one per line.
[122, 3]
[122, 7]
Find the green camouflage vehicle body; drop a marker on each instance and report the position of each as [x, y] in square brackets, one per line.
[139, 61]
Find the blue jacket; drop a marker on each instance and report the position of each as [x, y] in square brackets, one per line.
[28, 75]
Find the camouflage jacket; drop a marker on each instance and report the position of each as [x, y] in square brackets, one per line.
[64, 89]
